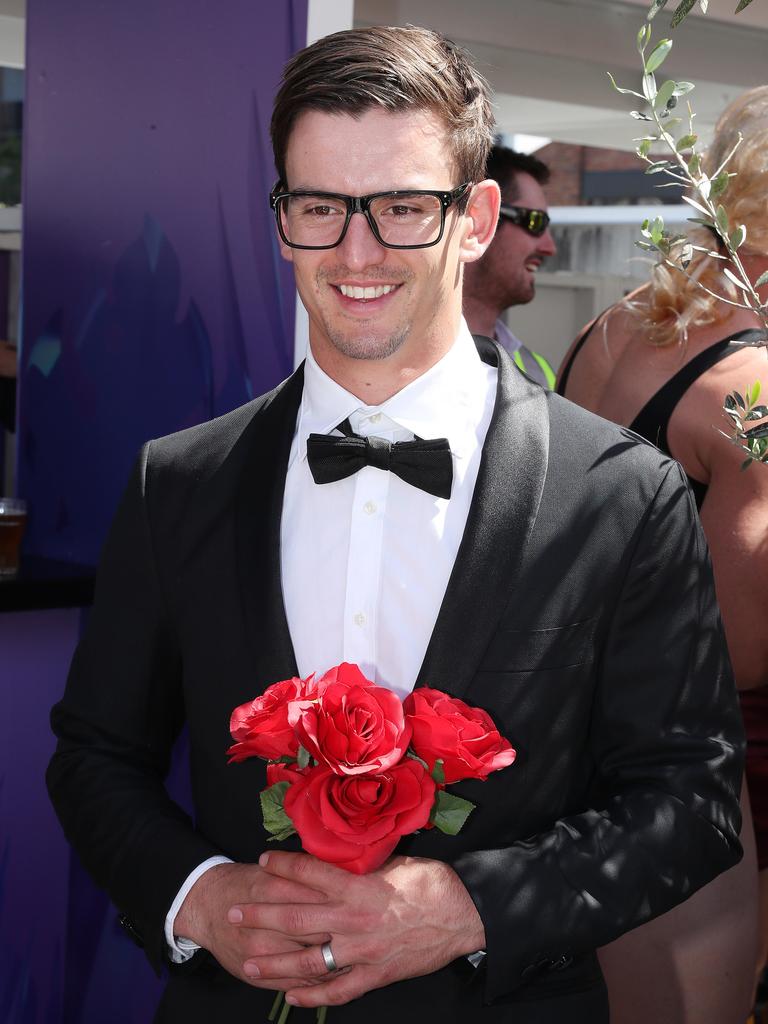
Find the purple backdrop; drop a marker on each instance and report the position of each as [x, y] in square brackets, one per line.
[154, 297]
[154, 294]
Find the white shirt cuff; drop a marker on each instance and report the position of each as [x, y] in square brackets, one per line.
[179, 948]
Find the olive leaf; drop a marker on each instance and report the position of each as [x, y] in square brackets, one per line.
[654, 9]
[664, 95]
[658, 55]
[683, 8]
[742, 5]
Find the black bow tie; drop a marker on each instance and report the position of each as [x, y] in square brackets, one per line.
[424, 464]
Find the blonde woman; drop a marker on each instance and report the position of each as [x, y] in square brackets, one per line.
[661, 363]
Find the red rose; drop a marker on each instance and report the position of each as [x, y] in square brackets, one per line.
[463, 737]
[261, 726]
[353, 727]
[278, 771]
[355, 821]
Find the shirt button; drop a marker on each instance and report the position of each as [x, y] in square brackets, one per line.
[369, 507]
[375, 418]
[359, 619]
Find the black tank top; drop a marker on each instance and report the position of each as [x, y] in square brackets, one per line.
[653, 419]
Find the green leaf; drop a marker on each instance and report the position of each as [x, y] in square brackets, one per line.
[756, 433]
[657, 230]
[437, 772]
[658, 55]
[686, 141]
[657, 167]
[649, 87]
[736, 280]
[683, 8]
[694, 164]
[640, 117]
[450, 812]
[643, 245]
[738, 235]
[722, 219]
[742, 5]
[739, 400]
[276, 821]
[664, 95]
[706, 222]
[754, 394]
[644, 148]
[643, 36]
[683, 88]
[720, 183]
[302, 757]
[695, 205]
[624, 92]
[654, 9]
[763, 279]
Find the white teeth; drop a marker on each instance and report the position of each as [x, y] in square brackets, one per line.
[356, 292]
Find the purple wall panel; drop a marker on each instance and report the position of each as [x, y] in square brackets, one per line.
[34, 857]
[154, 294]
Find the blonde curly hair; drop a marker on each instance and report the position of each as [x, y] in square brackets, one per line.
[674, 302]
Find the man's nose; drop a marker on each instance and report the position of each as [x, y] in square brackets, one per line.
[360, 247]
[547, 244]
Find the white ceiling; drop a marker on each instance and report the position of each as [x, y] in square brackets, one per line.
[547, 59]
[13, 8]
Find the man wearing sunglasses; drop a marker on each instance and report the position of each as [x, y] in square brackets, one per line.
[506, 275]
[409, 501]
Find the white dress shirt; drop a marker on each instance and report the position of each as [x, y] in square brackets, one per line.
[366, 560]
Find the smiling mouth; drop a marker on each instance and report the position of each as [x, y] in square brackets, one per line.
[350, 291]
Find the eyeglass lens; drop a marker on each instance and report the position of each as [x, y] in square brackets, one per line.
[407, 219]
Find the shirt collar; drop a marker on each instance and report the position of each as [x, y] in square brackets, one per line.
[446, 401]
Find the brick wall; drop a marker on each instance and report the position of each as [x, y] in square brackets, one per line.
[568, 162]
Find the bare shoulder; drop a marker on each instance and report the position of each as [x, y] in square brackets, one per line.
[695, 427]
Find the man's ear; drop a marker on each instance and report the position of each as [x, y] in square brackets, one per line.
[285, 250]
[482, 217]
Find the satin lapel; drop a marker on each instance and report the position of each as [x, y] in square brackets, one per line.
[501, 516]
[259, 506]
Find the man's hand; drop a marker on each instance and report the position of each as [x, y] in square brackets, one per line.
[203, 918]
[409, 918]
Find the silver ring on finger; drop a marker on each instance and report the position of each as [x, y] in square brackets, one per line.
[330, 963]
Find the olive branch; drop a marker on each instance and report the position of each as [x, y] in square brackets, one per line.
[684, 167]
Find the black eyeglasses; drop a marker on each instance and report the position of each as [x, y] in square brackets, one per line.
[535, 222]
[402, 219]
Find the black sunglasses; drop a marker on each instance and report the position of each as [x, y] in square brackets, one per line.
[535, 222]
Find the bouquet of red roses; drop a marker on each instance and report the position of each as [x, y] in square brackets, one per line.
[351, 769]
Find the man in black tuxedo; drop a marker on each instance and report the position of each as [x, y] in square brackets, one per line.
[550, 570]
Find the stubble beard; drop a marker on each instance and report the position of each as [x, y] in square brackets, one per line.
[366, 343]
[367, 346]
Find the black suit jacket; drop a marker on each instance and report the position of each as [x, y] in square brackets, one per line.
[580, 613]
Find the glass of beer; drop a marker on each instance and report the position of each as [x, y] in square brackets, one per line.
[13, 519]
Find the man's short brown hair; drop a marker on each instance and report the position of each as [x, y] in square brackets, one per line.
[397, 69]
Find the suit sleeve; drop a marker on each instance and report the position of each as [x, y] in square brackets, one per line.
[666, 742]
[121, 713]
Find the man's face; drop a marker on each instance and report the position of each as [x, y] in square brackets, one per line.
[418, 293]
[513, 258]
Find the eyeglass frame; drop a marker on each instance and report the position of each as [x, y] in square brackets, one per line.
[521, 216]
[361, 204]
